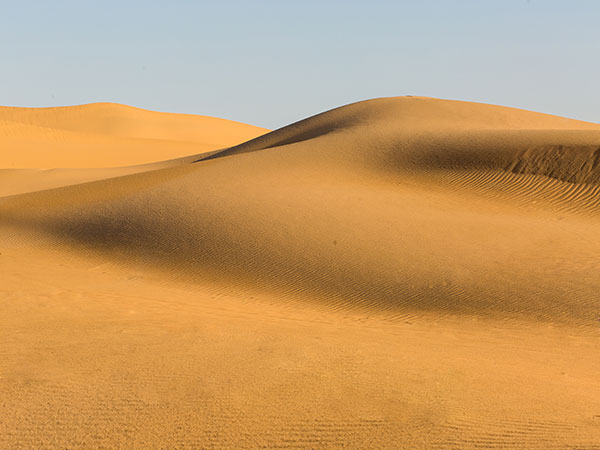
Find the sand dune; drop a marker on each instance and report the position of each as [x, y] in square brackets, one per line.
[400, 272]
[53, 147]
[108, 135]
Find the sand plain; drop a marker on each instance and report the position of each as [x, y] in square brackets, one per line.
[397, 273]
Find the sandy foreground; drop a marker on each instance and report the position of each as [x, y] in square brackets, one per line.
[397, 273]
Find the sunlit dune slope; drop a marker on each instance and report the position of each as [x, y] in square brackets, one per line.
[399, 204]
[108, 134]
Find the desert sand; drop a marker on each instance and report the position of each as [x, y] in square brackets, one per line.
[397, 273]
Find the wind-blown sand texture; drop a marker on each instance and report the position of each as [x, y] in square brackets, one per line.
[396, 273]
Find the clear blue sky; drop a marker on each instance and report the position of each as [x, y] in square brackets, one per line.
[270, 63]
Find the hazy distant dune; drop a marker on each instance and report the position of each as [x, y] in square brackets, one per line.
[109, 134]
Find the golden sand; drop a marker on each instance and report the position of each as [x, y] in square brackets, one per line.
[396, 273]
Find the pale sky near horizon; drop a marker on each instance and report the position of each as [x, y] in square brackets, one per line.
[270, 63]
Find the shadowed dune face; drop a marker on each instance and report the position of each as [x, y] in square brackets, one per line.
[575, 164]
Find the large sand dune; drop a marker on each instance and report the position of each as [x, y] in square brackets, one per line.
[400, 272]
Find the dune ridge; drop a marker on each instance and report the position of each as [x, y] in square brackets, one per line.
[447, 133]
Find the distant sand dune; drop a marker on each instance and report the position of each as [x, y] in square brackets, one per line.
[109, 134]
[446, 252]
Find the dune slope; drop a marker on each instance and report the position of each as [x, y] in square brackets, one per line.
[452, 245]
